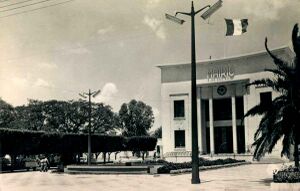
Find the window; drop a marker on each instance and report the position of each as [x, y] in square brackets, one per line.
[266, 98]
[222, 109]
[206, 107]
[239, 106]
[179, 139]
[178, 108]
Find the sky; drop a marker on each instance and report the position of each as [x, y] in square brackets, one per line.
[55, 49]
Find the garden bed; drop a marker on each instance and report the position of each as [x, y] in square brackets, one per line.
[287, 174]
[287, 178]
[169, 167]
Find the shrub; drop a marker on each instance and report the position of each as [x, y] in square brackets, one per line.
[13, 141]
[288, 174]
[150, 162]
[142, 143]
[4, 164]
[165, 169]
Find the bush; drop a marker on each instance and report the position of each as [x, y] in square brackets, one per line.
[289, 174]
[5, 163]
[142, 143]
[165, 169]
[13, 141]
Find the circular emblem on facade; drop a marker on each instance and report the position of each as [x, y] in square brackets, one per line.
[222, 90]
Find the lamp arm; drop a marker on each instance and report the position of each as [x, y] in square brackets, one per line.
[183, 13]
[202, 9]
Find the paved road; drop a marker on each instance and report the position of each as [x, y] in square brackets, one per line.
[247, 177]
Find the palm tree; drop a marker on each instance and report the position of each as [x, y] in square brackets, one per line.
[281, 117]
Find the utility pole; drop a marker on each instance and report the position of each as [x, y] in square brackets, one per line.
[296, 92]
[83, 95]
[205, 15]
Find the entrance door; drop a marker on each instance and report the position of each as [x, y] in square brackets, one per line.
[223, 139]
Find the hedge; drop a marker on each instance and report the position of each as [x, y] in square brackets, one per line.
[288, 174]
[168, 166]
[142, 143]
[16, 142]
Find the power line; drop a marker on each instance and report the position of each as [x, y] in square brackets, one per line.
[16, 3]
[24, 6]
[31, 10]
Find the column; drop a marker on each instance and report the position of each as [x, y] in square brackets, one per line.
[234, 131]
[199, 126]
[246, 126]
[211, 126]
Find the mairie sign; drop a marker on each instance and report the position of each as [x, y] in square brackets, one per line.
[220, 73]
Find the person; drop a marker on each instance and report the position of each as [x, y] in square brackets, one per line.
[47, 164]
[44, 164]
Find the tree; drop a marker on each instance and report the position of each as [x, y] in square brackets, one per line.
[135, 118]
[158, 133]
[77, 115]
[281, 117]
[7, 114]
[62, 116]
[30, 117]
[103, 119]
[56, 116]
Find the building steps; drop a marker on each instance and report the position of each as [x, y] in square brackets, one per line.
[81, 169]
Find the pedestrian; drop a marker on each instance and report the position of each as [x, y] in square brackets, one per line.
[44, 164]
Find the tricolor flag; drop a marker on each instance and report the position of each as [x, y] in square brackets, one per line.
[236, 26]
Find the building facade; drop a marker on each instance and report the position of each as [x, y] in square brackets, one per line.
[222, 100]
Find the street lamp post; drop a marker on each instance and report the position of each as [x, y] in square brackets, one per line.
[205, 15]
[89, 94]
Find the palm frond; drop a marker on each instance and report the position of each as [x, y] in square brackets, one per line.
[296, 40]
[261, 82]
[286, 143]
[257, 110]
[278, 62]
[277, 72]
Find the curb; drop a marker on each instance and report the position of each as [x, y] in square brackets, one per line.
[202, 168]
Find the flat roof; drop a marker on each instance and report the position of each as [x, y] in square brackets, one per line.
[287, 49]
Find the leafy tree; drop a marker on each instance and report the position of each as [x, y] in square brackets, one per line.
[7, 114]
[135, 118]
[64, 116]
[77, 115]
[103, 119]
[29, 117]
[281, 117]
[56, 116]
[158, 133]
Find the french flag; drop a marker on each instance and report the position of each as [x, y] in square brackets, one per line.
[236, 26]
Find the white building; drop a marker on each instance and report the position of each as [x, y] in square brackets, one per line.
[222, 100]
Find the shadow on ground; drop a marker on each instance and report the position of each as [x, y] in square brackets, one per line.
[265, 182]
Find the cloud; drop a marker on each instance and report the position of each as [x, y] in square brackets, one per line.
[21, 82]
[42, 83]
[105, 30]
[47, 65]
[107, 92]
[265, 8]
[152, 3]
[121, 44]
[156, 26]
[79, 49]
